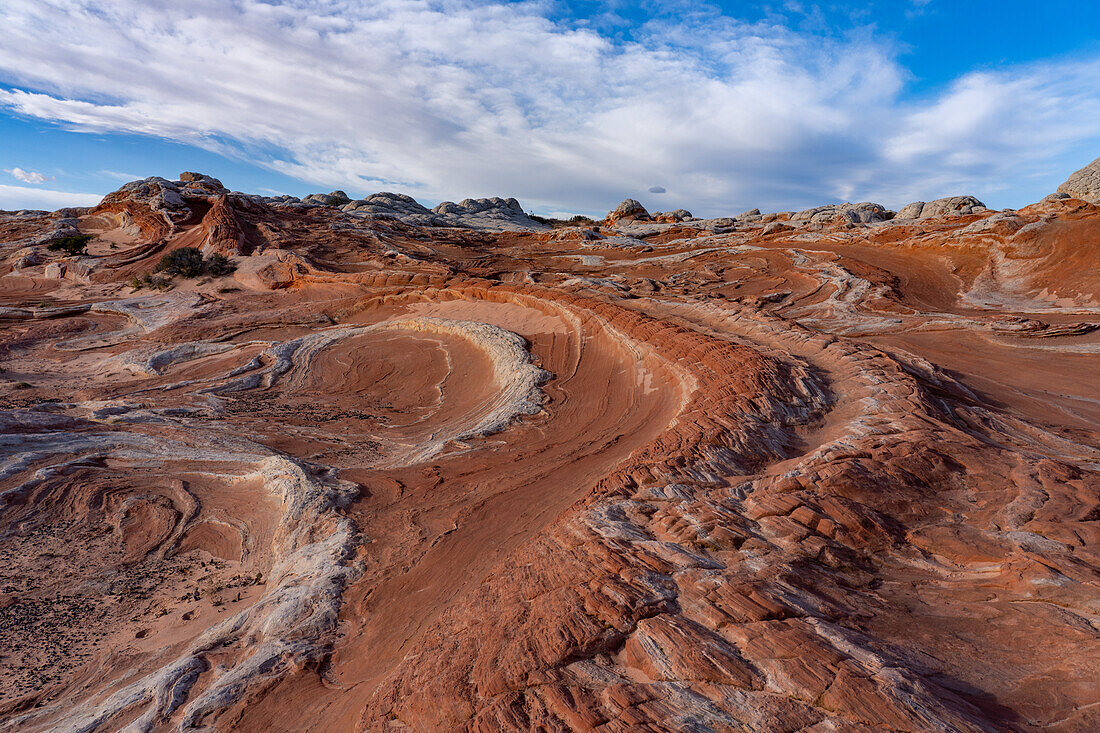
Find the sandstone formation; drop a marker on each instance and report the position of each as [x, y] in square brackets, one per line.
[862, 213]
[492, 214]
[449, 470]
[628, 210]
[1084, 184]
[486, 214]
[952, 205]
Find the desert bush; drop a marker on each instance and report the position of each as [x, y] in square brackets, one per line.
[185, 261]
[74, 245]
[218, 265]
[188, 262]
[156, 282]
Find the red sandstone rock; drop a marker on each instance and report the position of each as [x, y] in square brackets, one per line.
[778, 478]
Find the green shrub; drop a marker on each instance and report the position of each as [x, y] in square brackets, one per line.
[188, 262]
[185, 261]
[156, 282]
[218, 265]
[74, 245]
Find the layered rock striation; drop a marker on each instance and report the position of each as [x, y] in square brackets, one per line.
[413, 469]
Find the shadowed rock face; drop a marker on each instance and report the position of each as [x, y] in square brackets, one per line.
[412, 469]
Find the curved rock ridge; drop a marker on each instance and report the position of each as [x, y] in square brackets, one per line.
[827, 470]
[287, 626]
[516, 380]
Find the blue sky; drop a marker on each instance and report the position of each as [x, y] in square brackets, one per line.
[569, 106]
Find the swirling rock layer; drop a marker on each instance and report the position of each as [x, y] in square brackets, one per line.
[773, 472]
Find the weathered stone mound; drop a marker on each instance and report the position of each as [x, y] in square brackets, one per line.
[394, 205]
[629, 210]
[862, 213]
[1084, 184]
[950, 206]
[153, 206]
[486, 214]
[489, 214]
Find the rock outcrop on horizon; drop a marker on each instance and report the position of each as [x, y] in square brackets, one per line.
[950, 206]
[1084, 184]
[862, 213]
[270, 463]
[628, 210]
[485, 214]
[491, 214]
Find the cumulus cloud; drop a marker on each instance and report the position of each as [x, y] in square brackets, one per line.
[657, 189]
[24, 197]
[26, 176]
[449, 98]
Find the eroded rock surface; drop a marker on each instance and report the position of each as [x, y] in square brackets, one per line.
[412, 469]
[1084, 184]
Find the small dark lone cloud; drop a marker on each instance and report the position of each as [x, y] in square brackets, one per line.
[656, 189]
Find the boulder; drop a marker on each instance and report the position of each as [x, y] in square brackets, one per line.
[910, 211]
[672, 217]
[628, 210]
[195, 183]
[336, 198]
[1084, 184]
[25, 257]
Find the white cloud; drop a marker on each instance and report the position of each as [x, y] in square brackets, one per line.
[449, 98]
[121, 176]
[23, 197]
[26, 176]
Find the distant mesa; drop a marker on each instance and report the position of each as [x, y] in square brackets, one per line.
[1084, 184]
